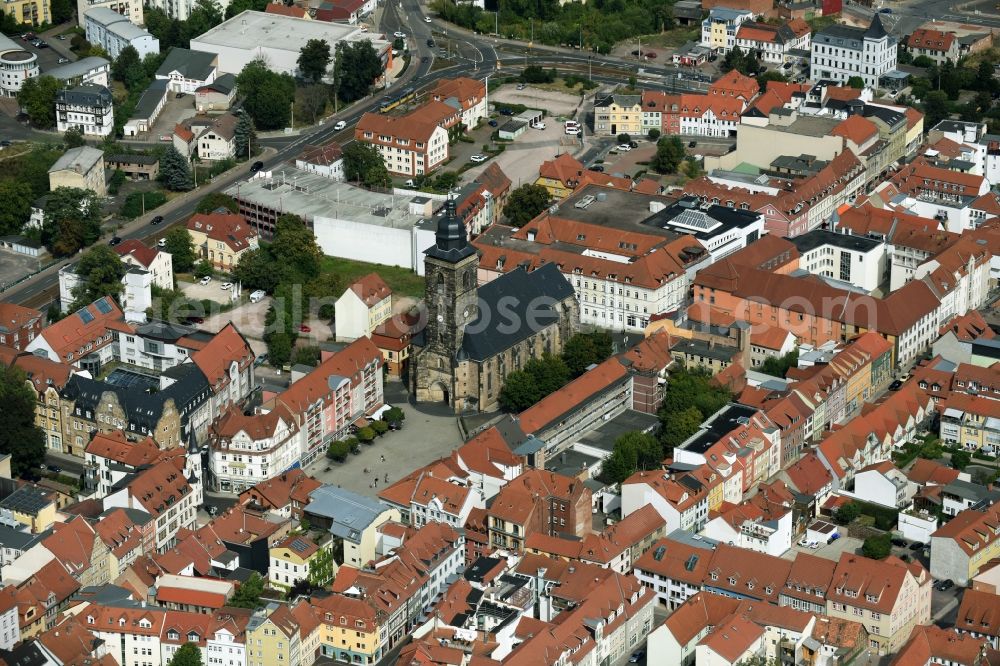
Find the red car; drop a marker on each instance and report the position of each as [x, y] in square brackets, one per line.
[304, 329]
[650, 55]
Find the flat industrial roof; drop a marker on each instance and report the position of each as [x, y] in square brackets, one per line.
[250, 30]
[310, 195]
[821, 237]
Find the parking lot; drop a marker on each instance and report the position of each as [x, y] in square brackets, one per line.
[13, 266]
[49, 56]
[174, 111]
[520, 158]
[829, 551]
[554, 103]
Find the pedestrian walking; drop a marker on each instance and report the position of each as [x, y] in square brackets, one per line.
[376, 482]
[387, 478]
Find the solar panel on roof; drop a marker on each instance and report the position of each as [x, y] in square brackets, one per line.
[299, 546]
[103, 306]
[86, 316]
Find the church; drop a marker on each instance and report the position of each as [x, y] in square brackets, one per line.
[476, 335]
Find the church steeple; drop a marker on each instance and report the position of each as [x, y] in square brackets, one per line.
[451, 240]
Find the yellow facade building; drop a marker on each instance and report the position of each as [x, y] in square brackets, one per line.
[350, 630]
[618, 114]
[222, 238]
[32, 12]
[273, 637]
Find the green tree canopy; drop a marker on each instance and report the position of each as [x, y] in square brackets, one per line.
[960, 459]
[364, 164]
[175, 172]
[935, 105]
[848, 513]
[248, 594]
[180, 248]
[314, 58]
[586, 349]
[668, 156]
[321, 567]
[128, 68]
[19, 436]
[519, 392]
[296, 254]
[268, 96]
[216, 200]
[17, 198]
[100, 270]
[525, 203]
[244, 137]
[255, 270]
[279, 348]
[877, 547]
[37, 97]
[539, 378]
[355, 68]
[856, 82]
[73, 137]
[632, 451]
[778, 366]
[72, 220]
[187, 655]
[678, 426]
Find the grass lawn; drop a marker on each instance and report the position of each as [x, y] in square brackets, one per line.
[671, 38]
[402, 281]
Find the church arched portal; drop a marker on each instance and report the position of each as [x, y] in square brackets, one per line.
[438, 392]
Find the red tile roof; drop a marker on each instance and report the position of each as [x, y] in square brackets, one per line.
[866, 578]
[256, 426]
[564, 168]
[468, 92]
[857, 129]
[932, 40]
[14, 317]
[285, 10]
[551, 408]
[186, 596]
[160, 487]
[371, 289]
[44, 373]
[924, 472]
[70, 335]
[229, 228]
[932, 644]
[116, 447]
[733, 637]
[349, 362]
[276, 493]
[972, 530]
[138, 250]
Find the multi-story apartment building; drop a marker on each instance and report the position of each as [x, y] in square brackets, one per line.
[110, 457]
[468, 94]
[156, 262]
[32, 12]
[538, 501]
[81, 167]
[88, 107]
[618, 114]
[840, 52]
[971, 422]
[291, 560]
[363, 306]
[246, 450]
[17, 64]
[129, 630]
[47, 380]
[412, 145]
[719, 30]
[852, 260]
[963, 546]
[131, 9]
[890, 597]
[222, 238]
[774, 42]
[342, 389]
[18, 325]
[939, 46]
[682, 501]
[113, 32]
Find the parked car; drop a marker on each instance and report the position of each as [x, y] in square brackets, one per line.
[787, 65]
[115, 240]
[478, 159]
[395, 425]
[885, 10]
[539, 125]
[226, 286]
[946, 585]
[692, 144]
[156, 220]
[55, 468]
[506, 112]
[573, 131]
[636, 657]
[205, 280]
[399, 35]
[195, 320]
[649, 55]
[599, 168]
[521, 86]
[61, 38]
[340, 124]
[256, 166]
[916, 545]
[898, 543]
[624, 148]
[63, 61]
[633, 144]
[896, 385]
[427, 19]
[430, 43]
[304, 329]
[493, 123]
[161, 243]
[180, 95]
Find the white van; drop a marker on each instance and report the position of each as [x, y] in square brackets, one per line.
[257, 296]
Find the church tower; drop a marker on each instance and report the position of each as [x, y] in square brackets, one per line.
[451, 299]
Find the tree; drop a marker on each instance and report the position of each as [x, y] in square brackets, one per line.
[128, 69]
[73, 138]
[205, 15]
[877, 547]
[314, 58]
[356, 65]
[312, 101]
[239, 6]
[216, 200]
[848, 513]
[632, 451]
[778, 366]
[321, 567]
[549, 373]
[624, 138]
[19, 436]
[519, 392]
[380, 427]
[394, 415]
[116, 181]
[586, 349]
[366, 435]
[203, 269]
[268, 96]
[180, 248]
[254, 270]
[17, 197]
[679, 426]
[668, 156]
[364, 164]
[525, 203]
[769, 76]
[931, 449]
[244, 137]
[175, 172]
[72, 220]
[186, 655]
[960, 459]
[935, 107]
[296, 254]
[62, 11]
[100, 270]
[279, 348]
[338, 450]
[308, 355]
[856, 82]
[37, 97]
[248, 594]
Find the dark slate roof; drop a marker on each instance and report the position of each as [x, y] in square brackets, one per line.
[225, 84]
[188, 392]
[130, 159]
[86, 95]
[876, 30]
[889, 116]
[194, 65]
[150, 99]
[512, 308]
[820, 237]
[25, 654]
[163, 330]
[19, 540]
